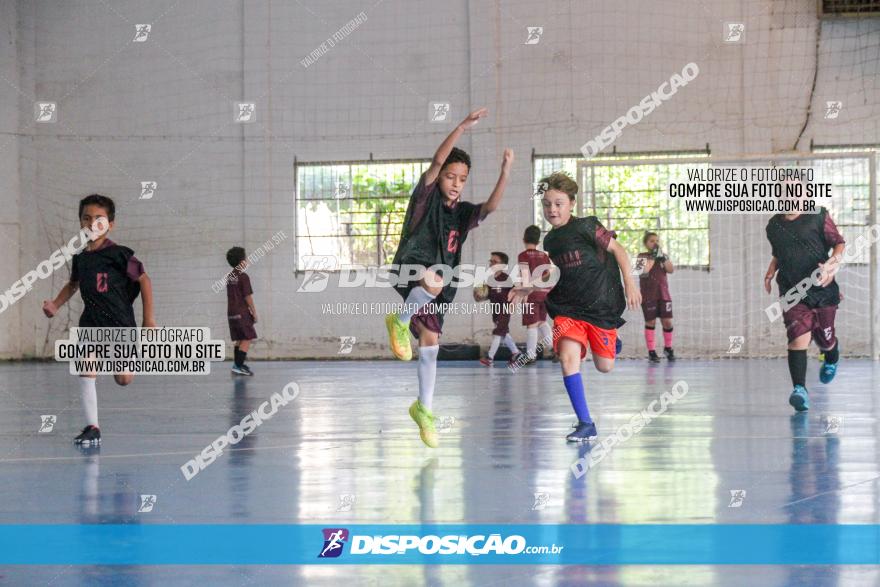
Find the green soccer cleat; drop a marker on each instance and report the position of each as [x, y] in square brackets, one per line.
[398, 336]
[425, 419]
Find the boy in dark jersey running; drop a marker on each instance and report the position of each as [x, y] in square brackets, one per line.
[656, 300]
[435, 227]
[800, 244]
[587, 302]
[109, 277]
[497, 296]
[534, 314]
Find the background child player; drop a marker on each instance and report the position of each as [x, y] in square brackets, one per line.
[587, 302]
[800, 244]
[497, 296]
[656, 300]
[534, 312]
[436, 225]
[109, 278]
[240, 309]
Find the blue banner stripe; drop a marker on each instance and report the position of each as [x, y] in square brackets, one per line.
[602, 544]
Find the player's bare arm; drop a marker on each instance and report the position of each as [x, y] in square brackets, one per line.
[51, 307]
[494, 200]
[831, 266]
[771, 272]
[249, 300]
[147, 300]
[633, 295]
[446, 146]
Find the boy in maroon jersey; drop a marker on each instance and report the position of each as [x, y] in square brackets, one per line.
[534, 314]
[109, 278]
[588, 301]
[497, 296]
[800, 245]
[656, 300]
[240, 309]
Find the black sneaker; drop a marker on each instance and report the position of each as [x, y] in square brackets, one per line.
[248, 369]
[584, 432]
[652, 356]
[670, 355]
[89, 435]
[239, 370]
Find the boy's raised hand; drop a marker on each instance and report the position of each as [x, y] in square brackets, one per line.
[474, 117]
[507, 160]
[519, 295]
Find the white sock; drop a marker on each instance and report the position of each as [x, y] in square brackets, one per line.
[89, 399]
[427, 373]
[511, 345]
[496, 342]
[417, 299]
[531, 342]
[546, 335]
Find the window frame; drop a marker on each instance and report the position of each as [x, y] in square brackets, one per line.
[297, 165]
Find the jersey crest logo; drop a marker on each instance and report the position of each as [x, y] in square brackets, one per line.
[102, 282]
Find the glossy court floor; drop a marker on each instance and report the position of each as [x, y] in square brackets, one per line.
[345, 451]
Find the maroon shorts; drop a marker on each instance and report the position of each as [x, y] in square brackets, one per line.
[801, 319]
[241, 327]
[652, 309]
[429, 320]
[502, 324]
[535, 309]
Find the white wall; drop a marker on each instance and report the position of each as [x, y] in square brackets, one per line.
[162, 110]
[10, 319]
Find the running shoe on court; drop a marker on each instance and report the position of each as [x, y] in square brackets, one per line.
[799, 398]
[90, 435]
[425, 420]
[398, 336]
[670, 354]
[248, 369]
[239, 370]
[583, 432]
[652, 356]
[486, 361]
[827, 371]
[518, 359]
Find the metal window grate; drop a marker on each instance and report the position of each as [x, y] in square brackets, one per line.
[849, 7]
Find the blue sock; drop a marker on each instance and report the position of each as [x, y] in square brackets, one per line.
[574, 385]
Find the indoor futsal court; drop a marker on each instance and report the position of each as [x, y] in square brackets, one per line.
[404, 293]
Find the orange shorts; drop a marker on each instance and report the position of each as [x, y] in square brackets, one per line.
[600, 341]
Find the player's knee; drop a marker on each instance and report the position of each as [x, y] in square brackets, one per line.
[605, 366]
[569, 357]
[123, 380]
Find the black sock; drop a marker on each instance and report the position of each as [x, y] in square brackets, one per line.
[243, 358]
[832, 356]
[797, 367]
[238, 359]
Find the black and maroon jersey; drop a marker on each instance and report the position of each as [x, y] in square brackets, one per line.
[589, 286]
[108, 283]
[799, 245]
[433, 233]
[238, 287]
[653, 284]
